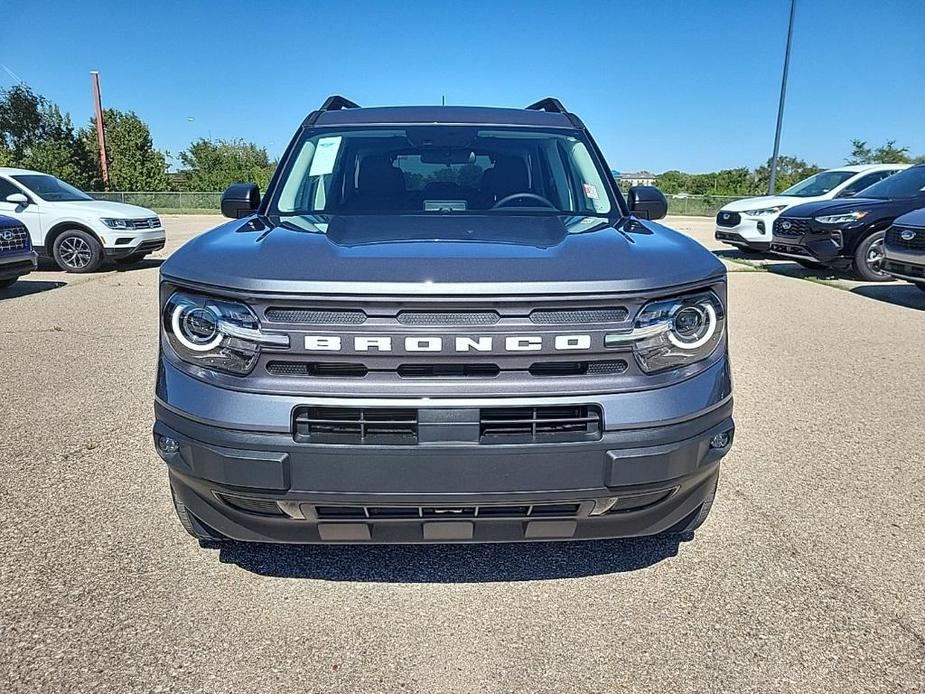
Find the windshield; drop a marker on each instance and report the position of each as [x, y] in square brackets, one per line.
[819, 184]
[905, 184]
[437, 169]
[51, 189]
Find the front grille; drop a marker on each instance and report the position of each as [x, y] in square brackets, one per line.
[797, 227]
[728, 219]
[317, 369]
[548, 424]
[894, 238]
[314, 316]
[579, 368]
[435, 318]
[356, 425]
[264, 507]
[566, 510]
[148, 223]
[449, 370]
[904, 269]
[14, 240]
[618, 314]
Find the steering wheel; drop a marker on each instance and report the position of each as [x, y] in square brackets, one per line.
[507, 198]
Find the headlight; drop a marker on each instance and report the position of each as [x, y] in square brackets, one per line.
[763, 211]
[216, 334]
[846, 218]
[675, 332]
[117, 223]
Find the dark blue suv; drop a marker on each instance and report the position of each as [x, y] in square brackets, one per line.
[16, 255]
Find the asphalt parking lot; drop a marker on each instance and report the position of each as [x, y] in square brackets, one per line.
[809, 575]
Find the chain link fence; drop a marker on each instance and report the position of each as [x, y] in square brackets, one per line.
[183, 202]
[699, 205]
[168, 202]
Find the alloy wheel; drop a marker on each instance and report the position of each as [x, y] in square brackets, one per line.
[874, 258]
[75, 252]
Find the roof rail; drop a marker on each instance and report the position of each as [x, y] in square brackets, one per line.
[549, 104]
[335, 102]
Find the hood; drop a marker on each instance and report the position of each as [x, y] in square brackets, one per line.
[428, 254]
[759, 202]
[826, 207]
[912, 219]
[104, 208]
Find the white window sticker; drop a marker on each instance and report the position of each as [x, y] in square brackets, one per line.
[325, 156]
[590, 191]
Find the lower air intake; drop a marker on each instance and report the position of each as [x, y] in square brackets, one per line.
[553, 424]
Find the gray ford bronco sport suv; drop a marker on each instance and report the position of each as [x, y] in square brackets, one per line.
[442, 324]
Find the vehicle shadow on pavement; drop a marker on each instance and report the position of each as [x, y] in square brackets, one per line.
[27, 287]
[475, 563]
[145, 264]
[897, 293]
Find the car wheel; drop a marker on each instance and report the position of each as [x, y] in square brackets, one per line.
[868, 259]
[77, 251]
[810, 264]
[130, 259]
[8, 282]
[190, 524]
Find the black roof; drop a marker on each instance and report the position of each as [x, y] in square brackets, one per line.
[475, 115]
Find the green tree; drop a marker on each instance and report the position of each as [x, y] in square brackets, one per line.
[887, 153]
[790, 170]
[216, 164]
[35, 134]
[134, 163]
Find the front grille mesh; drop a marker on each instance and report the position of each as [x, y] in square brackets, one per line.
[435, 318]
[590, 316]
[18, 242]
[567, 510]
[894, 238]
[357, 425]
[314, 316]
[798, 227]
[548, 424]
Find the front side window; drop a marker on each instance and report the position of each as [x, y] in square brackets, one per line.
[50, 188]
[818, 184]
[905, 184]
[443, 170]
[865, 181]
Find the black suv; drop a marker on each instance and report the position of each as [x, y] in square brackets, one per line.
[848, 234]
[442, 324]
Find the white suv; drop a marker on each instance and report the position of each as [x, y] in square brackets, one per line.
[747, 224]
[76, 230]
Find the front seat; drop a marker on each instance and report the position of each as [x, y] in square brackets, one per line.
[380, 185]
[507, 176]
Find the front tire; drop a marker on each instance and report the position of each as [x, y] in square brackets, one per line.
[868, 259]
[77, 251]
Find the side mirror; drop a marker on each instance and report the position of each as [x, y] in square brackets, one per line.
[647, 202]
[847, 194]
[240, 200]
[18, 199]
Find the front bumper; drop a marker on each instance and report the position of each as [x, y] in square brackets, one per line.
[752, 232]
[17, 265]
[905, 264]
[652, 475]
[120, 244]
[820, 245]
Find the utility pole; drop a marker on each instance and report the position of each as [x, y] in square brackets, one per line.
[100, 130]
[772, 182]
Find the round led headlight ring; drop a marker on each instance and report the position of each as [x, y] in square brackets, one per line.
[692, 326]
[196, 328]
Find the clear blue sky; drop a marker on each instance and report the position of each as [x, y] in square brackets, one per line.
[662, 83]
